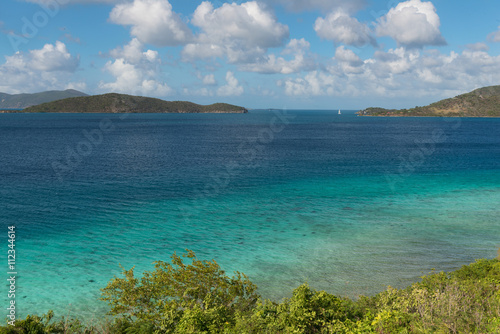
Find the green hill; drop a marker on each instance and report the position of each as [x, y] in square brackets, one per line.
[21, 101]
[482, 102]
[121, 103]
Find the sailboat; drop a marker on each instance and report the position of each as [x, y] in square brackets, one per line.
[339, 112]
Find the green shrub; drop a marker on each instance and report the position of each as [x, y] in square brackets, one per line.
[464, 301]
[34, 324]
[308, 311]
[197, 297]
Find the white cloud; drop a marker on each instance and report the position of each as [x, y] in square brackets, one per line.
[494, 36]
[153, 22]
[394, 61]
[296, 46]
[50, 67]
[398, 74]
[478, 46]
[272, 64]
[240, 32]
[209, 79]
[68, 2]
[347, 56]
[312, 84]
[339, 27]
[81, 86]
[132, 52]
[232, 86]
[325, 5]
[348, 61]
[201, 92]
[412, 24]
[53, 58]
[135, 71]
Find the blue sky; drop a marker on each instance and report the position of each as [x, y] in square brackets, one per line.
[314, 54]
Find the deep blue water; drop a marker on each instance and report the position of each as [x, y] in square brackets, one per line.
[349, 204]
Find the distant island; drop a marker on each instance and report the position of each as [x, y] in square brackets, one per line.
[482, 102]
[21, 101]
[121, 103]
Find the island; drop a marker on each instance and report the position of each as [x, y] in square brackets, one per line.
[482, 102]
[25, 100]
[122, 103]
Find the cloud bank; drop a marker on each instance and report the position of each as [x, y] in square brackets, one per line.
[47, 68]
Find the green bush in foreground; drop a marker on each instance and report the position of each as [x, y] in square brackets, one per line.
[200, 298]
[180, 298]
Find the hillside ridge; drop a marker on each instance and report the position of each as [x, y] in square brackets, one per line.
[481, 102]
[25, 100]
[122, 103]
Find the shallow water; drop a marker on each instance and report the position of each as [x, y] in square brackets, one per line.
[348, 204]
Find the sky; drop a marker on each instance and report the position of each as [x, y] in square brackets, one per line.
[290, 54]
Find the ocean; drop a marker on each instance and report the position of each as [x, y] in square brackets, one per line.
[348, 204]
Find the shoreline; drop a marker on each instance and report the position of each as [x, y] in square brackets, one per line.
[435, 116]
[104, 112]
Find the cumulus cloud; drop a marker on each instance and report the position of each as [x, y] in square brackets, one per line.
[69, 2]
[312, 84]
[398, 73]
[50, 67]
[412, 24]
[53, 58]
[348, 61]
[135, 71]
[209, 79]
[325, 5]
[240, 32]
[347, 56]
[271, 64]
[494, 36]
[204, 91]
[478, 46]
[152, 21]
[81, 86]
[232, 87]
[394, 61]
[339, 27]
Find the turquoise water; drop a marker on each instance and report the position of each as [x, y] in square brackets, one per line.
[348, 204]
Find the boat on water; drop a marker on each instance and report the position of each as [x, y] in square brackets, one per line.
[339, 112]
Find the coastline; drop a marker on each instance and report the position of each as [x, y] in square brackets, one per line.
[413, 116]
[129, 112]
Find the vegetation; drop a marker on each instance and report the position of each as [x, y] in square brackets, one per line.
[121, 103]
[178, 298]
[21, 101]
[482, 102]
[200, 298]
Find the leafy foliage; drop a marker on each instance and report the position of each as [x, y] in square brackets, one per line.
[199, 298]
[34, 324]
[180, 297]
[308, 311]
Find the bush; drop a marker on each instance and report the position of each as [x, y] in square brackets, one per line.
[180, 298]
[464, 301]
[200, 298]
[34, 324]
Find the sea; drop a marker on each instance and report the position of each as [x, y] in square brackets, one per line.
[347, 204]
